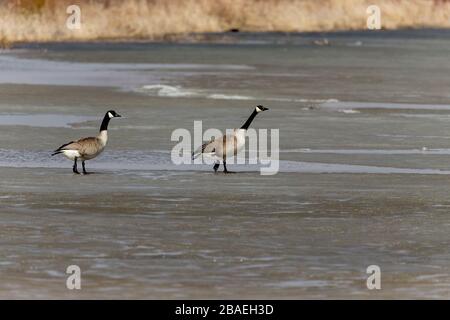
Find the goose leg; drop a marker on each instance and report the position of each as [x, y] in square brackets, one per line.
[84, 168]
[225, 166]
[216, 166]
[225, 170]
[75, 167]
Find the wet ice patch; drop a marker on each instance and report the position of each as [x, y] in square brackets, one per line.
[43, 120]
[140, 161]
[229, 97]
[162, 90]
[317, 167]
[421, 151]
[177, 91]
[122, 75]
[349, 111]
[340, 105]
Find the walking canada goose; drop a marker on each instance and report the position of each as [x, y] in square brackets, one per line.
[87, 148]
[227, 145]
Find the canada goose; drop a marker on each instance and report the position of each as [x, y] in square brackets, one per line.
[87, 148]
[227, 145]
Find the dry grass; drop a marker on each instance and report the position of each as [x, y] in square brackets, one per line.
[44, 20]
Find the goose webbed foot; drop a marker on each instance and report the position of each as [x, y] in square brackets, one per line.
[216, 166]
[225, 170]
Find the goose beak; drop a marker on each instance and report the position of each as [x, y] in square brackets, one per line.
[118, 115]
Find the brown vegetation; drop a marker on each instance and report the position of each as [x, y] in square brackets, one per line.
[45, 20]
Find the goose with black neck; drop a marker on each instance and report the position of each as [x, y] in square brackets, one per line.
[227, 145]
[87, 148]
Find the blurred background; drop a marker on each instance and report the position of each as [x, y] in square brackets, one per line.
[44, 20]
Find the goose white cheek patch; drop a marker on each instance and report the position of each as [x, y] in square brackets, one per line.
[110, 115]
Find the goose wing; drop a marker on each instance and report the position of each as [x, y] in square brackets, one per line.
[89, 146]
[66, 146]
[208, 147]
[84, 146]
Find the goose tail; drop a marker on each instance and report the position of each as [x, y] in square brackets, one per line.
[201, 150]
[60, 149]
[196, 154]
[207, 149]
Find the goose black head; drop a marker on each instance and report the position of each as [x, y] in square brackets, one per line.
[112, 114]
[260, 108]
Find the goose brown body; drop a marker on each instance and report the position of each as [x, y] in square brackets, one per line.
[87, 148]
[227, 145]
